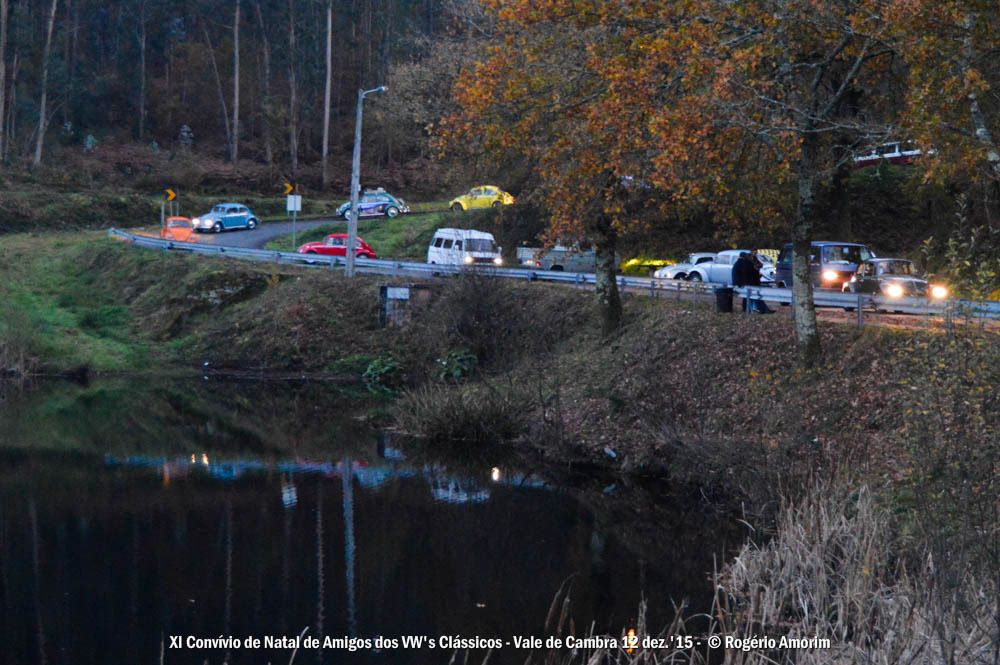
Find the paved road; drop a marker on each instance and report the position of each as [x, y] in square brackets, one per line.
[259, 237]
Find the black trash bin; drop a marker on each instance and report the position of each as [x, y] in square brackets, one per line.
[724, 299]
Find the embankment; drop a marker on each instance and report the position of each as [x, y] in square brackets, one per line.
[715, 404]
[490, 360]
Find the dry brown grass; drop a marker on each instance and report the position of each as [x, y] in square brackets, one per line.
[837, 569]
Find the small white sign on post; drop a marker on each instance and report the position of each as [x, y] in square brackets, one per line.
[294, 203]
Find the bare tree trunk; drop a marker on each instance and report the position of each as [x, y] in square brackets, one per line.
[293, 129]
[66, 45]
[218, 84]
[235, 139]
[3, 71]
[11, 131]
[605, 278]
[265, 87]
[806, 332]
[979, 124]
[74, 52]
[142, 70]
[326, 94]
[40, 138]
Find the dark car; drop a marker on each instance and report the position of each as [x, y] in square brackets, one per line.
[375, 203]
[831, 264]
[893, 278]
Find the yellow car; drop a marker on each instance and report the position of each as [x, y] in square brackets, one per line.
[483, 196]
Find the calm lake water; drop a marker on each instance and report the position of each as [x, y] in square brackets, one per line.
[134, 510]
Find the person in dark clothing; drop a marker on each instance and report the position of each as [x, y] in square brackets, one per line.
[741, 273]
[746, 272]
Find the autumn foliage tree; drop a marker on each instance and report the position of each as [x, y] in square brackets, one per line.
[594, 96]
[951, 48]
[707, 103]
[808, 79]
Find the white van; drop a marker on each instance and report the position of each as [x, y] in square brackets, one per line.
[463, 247]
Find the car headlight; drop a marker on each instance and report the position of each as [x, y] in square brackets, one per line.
[830, 276]
[467, 259]
[196, 221]
[894, 291]
[498, 261]
[939, 292]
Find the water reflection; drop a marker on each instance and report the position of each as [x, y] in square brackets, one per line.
[136, 526]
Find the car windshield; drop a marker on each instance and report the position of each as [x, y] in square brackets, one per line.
[845, 254]
[479, 245]
[896, 268]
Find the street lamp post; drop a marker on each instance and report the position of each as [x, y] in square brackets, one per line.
[352, 222]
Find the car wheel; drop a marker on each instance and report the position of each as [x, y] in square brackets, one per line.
[497, 204]
[217, 227]
[556, 268]
[457, 207]
[680, 275]
[252, 223]
[309, 260]
[346, 215]
[694, 277]
[391, 211]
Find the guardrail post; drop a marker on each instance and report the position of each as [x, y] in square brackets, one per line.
[861, 309]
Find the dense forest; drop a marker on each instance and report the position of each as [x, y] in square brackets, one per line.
[259, 81]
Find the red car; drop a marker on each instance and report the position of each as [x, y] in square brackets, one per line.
[335, 244]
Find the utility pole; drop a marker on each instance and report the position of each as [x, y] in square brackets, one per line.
[352, 222]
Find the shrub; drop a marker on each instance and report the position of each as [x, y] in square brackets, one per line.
[499, 322]
[475, 412]
[382, 374]
[17, 333]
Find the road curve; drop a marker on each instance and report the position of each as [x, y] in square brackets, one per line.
[260, 236]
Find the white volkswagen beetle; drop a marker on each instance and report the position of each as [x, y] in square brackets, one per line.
[683, 270]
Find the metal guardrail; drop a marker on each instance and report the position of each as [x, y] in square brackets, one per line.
[988, 309]
[650, 285]
[409, 268]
